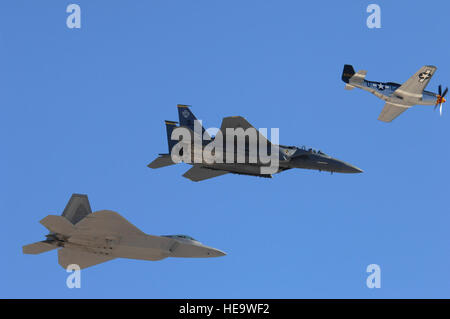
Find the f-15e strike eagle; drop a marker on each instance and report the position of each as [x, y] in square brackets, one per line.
[87, 239]
[287, 156]
[398, 97]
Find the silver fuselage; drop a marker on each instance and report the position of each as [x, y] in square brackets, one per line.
[386, 92]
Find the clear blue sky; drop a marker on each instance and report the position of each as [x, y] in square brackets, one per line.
[82, 112]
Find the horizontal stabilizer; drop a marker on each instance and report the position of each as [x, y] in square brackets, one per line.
[358, 77]
[198, 173]
[58, 224]
[68, 257]
[349, 76]
[161, 161]
[349, 87]
[38, 248]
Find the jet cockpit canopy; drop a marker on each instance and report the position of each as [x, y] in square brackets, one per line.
[180, 236]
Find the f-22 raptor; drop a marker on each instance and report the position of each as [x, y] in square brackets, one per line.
[398, 97]
[288, 157]
[87, 239]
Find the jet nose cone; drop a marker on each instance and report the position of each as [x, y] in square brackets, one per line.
[353, 169]
[343, 167]
[216, 253]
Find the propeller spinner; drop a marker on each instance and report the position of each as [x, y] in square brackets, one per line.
[440, 98]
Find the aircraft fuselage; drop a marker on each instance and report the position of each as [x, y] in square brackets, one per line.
[386, 91]
[288, 157]
[140, 246]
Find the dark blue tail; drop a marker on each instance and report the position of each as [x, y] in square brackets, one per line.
[347, 73]
[170, 126]
[187, 118]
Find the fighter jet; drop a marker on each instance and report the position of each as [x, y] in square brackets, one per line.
[288, 156]
[87, 239]
[398, 97]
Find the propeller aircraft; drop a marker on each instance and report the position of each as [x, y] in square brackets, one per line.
[398, 97]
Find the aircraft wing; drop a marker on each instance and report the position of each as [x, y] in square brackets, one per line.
[83, 259]
[198, 173]
[239, 122]
[106, 222]
[413, 88]
[391, 111]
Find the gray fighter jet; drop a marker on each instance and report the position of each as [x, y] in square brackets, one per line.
[87, 239]
[288, 156]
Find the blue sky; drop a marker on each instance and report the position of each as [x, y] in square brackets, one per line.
[82, 112]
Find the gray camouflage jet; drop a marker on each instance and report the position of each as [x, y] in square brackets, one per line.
[289, 156]
[398, 97]
[87, 239]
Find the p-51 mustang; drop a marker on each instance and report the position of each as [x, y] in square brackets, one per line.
[287, 156]
[398, 97]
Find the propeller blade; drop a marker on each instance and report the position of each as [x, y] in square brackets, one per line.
[440, 90]
[440, 110]
[445, 92]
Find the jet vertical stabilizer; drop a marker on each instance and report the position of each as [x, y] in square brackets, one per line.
[187, 119]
